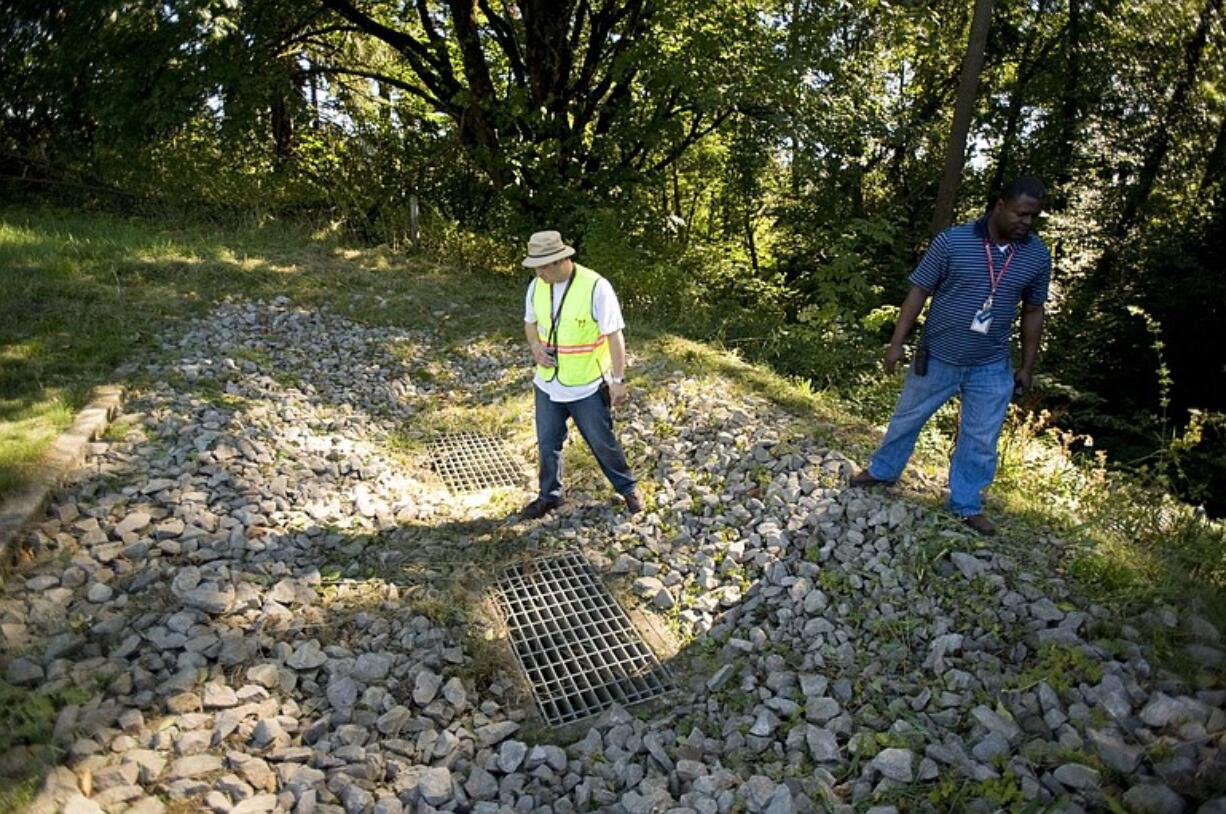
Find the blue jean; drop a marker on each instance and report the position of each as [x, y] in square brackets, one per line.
[595, 422]
[986, 391]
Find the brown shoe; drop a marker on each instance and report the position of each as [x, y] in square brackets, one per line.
[634, 503]
[980, 523]
[539, 508]
[864, 480]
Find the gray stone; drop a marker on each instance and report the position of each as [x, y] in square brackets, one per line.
[99, 592]
[511, 755]
[342, 693]
[256, 804]
[219, 696]
[1113, 751]
[77, 804]
[1077, 776]
[269, 732]
[821, 710]
[764, 724]
[895, 763]
[1162, 711]
[356, 799]
[968, 565]
[822, 743]
[372, 667]
[24, 673]
[426, 687]
[434, 786]
[481, 785]
[781, 801]
[454, 693]
[1153, 799]
[992, 746]
[1046, 611]
[492, 734]
[720, 677]
[135, 521]
[193, 766]
[389, 805]
[210, 598]
[307, 656]
[993, 722]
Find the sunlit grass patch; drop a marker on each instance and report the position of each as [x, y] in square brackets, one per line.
[25, 436]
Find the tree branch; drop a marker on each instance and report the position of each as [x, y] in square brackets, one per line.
[437, 76]
[504, 33]
[399, 84]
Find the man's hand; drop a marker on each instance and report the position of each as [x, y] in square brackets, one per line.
[541, 356]
[893, 354]
[1022, 379]
[618, 393]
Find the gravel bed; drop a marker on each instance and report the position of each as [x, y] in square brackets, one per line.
[251, 600]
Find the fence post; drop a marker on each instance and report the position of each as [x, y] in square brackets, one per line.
[414, 224]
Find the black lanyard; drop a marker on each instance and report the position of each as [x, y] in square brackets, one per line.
[553, 322]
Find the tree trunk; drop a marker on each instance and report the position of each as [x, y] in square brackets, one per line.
[1070, 109]
[1215, 167]
[968, 85]
[750, 243]
[1027, 67]
[1104, 272]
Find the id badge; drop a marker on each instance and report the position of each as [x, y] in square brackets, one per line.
[982, 321]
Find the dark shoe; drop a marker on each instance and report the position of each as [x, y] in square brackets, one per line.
[634, 503]
[539, 508]
[866, 481]
[980, 523]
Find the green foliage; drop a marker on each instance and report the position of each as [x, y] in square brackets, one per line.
[1061, 667]
[27, 717]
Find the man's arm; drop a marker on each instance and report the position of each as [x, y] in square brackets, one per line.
[535, 344]
[907, 314]
[617, 352]
[1032, 332]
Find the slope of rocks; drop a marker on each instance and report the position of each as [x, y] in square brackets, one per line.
[249, 603]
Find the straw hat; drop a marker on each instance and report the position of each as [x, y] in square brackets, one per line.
[544, 248]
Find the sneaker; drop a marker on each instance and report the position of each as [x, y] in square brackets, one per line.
[634, 503]
[539, 508]
[866, 481]
[980, 524]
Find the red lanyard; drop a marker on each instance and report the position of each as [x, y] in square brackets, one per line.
[993, 277]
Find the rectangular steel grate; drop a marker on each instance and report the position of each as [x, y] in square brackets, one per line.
[573, 641]
[470, 462]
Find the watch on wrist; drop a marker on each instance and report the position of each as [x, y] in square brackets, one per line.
[618, 380]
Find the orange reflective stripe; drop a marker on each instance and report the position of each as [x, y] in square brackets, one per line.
[582, 348]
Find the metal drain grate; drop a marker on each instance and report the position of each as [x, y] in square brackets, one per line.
[574, 642]
[470, 462]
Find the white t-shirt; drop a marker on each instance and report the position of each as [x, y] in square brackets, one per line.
[608, 313]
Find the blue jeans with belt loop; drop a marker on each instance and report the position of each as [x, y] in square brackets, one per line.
[595, 422]
[986, 391]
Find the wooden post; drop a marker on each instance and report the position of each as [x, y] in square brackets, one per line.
[414, 223]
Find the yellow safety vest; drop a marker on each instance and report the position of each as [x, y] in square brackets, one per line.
[583, 354]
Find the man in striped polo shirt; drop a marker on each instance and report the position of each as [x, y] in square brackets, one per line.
[976, 274]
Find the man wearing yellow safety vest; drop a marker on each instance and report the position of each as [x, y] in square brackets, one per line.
[573, 324]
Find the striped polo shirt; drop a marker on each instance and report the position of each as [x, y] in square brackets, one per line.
[955, 271]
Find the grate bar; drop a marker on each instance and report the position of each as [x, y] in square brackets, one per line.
[573, 641]
[471, 462]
